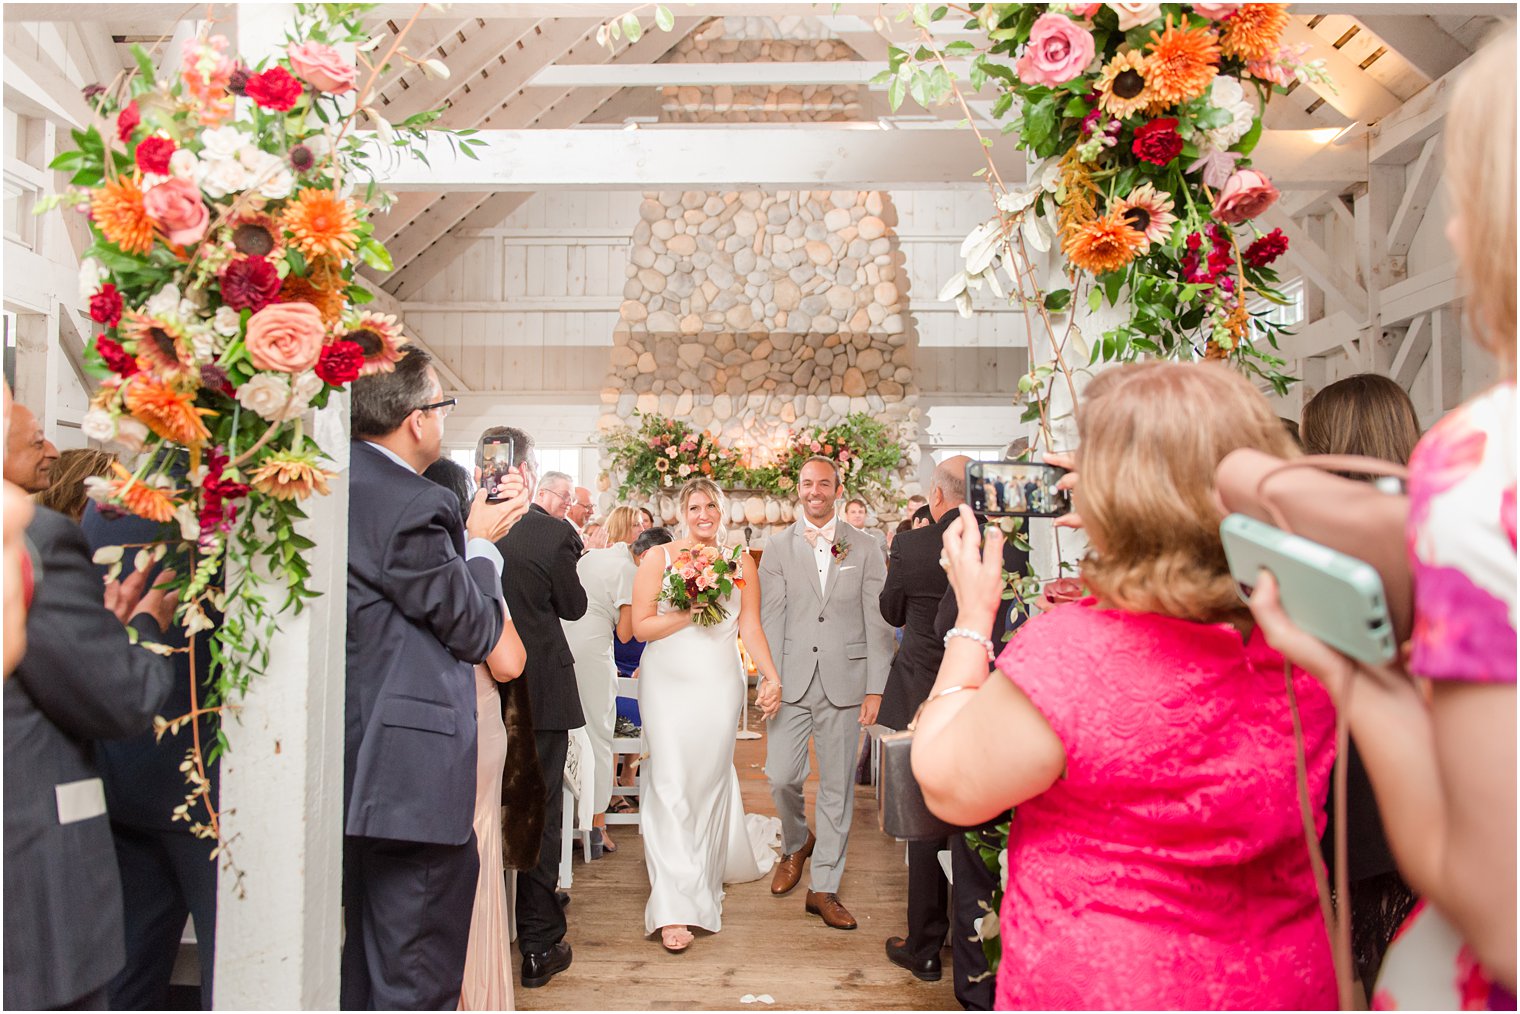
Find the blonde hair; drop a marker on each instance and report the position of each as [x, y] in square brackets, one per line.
[66, 494]
[1365, 414]
[621, 524]
[1152, 435]
[702, 484]
[1480, 178]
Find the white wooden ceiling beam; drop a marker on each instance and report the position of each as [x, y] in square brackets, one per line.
[36, 90]
[1354, 93]
[483, 49]
[1412, 353]
[1418, 39]
[1419, 187]
[446, 246]
[1399, 139]
[1319, 267]
[1320, 337]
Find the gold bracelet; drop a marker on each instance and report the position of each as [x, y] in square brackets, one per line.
[951, 690]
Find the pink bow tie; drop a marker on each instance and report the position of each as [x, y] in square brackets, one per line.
[826, 533]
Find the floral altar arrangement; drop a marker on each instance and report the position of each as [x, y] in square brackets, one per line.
[664, 452]
[700, 578]
[227, 217]
[866, 453]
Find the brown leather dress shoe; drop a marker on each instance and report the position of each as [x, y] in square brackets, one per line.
[829, 908]
[789, 869]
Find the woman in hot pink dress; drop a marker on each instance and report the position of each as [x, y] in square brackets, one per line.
[1157, 858]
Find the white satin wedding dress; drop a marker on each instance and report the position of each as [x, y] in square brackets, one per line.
[696, 835]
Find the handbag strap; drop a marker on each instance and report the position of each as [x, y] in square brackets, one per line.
[1323, 463]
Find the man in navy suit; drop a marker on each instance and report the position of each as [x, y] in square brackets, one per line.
[424, 603]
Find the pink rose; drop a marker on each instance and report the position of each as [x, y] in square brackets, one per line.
[176, 207]
[1215, 12]
[321, 67]
[285, 337]
[1059, 49]
[1245, 195]
[1135, 15]
[1084, 11]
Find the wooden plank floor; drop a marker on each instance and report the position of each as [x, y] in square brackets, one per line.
[768, 945]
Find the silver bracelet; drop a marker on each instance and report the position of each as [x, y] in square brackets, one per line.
[971, 635]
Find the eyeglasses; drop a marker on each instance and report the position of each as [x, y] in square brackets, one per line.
[447, 403]
[554, 492]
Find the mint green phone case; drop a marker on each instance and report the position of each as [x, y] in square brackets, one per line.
[1337, 598]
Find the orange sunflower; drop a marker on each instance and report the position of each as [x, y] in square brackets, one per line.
[285, 475]
[117, 208]
[1254, 31]
[255, 234]
[1183, 62]
[160, 347]
[380, 338]
[140, 496]
[167, 411]
[322, 223]
[1123, 87]
[1105, 244]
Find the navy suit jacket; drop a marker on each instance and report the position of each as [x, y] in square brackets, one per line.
[419, 616]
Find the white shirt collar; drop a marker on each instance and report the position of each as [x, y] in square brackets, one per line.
[398, 459]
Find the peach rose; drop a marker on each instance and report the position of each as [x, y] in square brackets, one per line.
[1059, 592]
[1059, 49]
[285, 337]
[176, 207]
[1246, 194]
[322, 67]
[1133, 15]
[1215, 12]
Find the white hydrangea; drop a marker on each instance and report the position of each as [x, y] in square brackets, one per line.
[164, 303]
[1226, 94]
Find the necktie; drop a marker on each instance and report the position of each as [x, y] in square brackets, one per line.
[826, 533]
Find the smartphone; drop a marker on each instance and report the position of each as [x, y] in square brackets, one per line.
[497, 460]
[1003, 489]
[1337, 598]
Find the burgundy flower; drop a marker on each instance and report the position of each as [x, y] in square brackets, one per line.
[92, 92]
[1266, 249]
[1213, 267]
[127, 121]
[250, 283]
[105, 306]
[115, 357]
[153, 155]
[237, 84]
[217, 513]
[214, 377]
[1158, 141]
[301, 158]
[340, 363]
[274, 89]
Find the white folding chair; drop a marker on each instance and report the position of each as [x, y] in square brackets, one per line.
[626, 746]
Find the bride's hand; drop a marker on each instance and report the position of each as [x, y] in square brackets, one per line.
[768, 698]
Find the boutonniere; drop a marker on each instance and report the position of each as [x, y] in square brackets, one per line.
[840, 550]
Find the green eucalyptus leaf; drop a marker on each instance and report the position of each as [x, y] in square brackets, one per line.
[663, 18]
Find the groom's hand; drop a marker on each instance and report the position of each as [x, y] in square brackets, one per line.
[768, 698]
[869, 709]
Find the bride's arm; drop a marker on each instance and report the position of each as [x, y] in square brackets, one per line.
[648, 624]
[753, 634]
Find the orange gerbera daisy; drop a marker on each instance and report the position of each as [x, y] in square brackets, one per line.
[288, 476]
[140, 496]
[117, 208]
[160, 347]
[167, 411]
[329, 302]
[1183, 62]
[1123, 87]
[1254, 30]
[1104, 244]
[379, 335]
[322, 223]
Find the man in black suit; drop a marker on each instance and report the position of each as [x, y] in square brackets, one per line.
[540, 554]
[80, 680]
[424, 603]
[912, 598]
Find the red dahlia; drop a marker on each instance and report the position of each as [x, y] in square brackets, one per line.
[273, 89]
[115, 357]
[105, 306]
[127, 121]
[153, 155]
[1158, 141]
[1266, 249]
[250, 283]
[340, 363]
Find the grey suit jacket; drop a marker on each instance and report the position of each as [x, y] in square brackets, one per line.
[79, 681]
[838, 632]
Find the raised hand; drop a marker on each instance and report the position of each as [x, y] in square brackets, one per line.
[1068, 483]
[975, 570]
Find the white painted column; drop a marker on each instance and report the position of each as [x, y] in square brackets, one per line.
[282, 781]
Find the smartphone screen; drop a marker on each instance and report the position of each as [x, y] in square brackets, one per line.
[1016, 489]
[497, 460]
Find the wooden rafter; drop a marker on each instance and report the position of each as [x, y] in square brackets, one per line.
[1419, 187]
[1418, 39]
[1355, 93]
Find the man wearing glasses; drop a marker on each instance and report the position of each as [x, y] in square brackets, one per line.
[554, 496]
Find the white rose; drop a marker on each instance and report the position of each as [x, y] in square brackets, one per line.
[184, 165]
[92, 275]
[163, 303]
[130, 434]
[1225, 92]
[1222, 137]
[203, 345]
[227, 321]
[253, 159]
[266, 395]
[98, 425]
[278, 185]
[1135, 15]
[223, 177]
[223, 142]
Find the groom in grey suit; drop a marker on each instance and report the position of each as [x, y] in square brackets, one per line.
[819, 585]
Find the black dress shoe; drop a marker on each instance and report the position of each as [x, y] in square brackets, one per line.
[927, 969]
[538, 969]
[563, 897]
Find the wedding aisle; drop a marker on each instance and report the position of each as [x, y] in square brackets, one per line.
[768, 946]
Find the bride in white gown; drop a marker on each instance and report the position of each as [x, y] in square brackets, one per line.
[691, 692]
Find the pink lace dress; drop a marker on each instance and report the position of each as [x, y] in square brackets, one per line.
[1167, 868]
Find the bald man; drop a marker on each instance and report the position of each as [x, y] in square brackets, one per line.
[29, 455]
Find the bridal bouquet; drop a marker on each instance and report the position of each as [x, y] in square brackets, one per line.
[701, 578]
